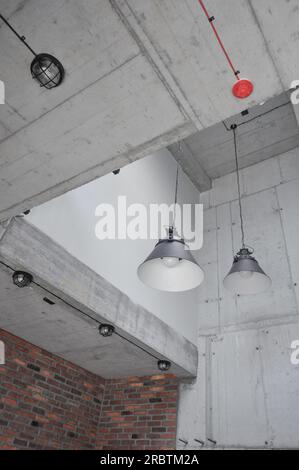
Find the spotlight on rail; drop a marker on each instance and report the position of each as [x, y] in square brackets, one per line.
[106, 330]
[164, 365]
[22, 279]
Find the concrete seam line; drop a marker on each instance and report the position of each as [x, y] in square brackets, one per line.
[134, 34]
[257, 22]
[185, 129]
[286, 246]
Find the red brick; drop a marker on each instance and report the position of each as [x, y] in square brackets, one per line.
[49, 403]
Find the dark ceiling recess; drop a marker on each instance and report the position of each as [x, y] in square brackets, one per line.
[45, 69]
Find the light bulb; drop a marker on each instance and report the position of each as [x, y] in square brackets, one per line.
[170, 262]
[246, 274]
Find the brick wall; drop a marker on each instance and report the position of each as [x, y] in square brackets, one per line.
[49, 403]
[46, 402]
[140, 413]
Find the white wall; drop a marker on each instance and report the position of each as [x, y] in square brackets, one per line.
[70, 220]
[247, 391]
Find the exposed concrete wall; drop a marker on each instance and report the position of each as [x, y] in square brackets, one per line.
[70, 220]
[246, 393]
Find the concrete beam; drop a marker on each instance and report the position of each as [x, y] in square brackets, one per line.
[191, 166]
[113, 107]
[130, 20]
[23, 246]
[181, 35]
[15, 202]
[140, 76]
[278, 24]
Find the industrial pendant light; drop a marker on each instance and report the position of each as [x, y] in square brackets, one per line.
[246, 276]
[45, 69]
[171, 266]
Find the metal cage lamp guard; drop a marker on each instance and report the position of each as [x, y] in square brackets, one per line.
[45, 68]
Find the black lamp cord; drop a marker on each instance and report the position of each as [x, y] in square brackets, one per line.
[21, 38]
[176, 195]
[84, 313]
[176, 189]
[234, 129]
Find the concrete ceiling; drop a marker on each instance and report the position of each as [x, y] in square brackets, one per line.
[264, 132]
[60, 330]
[83, 299]
[140, 75]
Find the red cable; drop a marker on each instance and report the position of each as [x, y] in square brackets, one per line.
[211, 19]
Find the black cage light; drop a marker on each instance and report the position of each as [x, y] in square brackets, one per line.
[164, 365]
[22, 279]
[246, 276]
[45, 68]
[106, 330]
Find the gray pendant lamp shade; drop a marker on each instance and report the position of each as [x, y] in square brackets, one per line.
[171, 267]
[246, 276]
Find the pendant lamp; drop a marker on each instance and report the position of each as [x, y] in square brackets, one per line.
[170, 266]
[246, 276]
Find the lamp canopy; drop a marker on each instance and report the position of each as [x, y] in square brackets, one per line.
[171, 266]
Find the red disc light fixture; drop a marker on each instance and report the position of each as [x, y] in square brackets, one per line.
[243, 87]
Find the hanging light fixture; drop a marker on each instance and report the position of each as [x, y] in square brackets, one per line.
[246, 276]
[45, 69]
[171, 266]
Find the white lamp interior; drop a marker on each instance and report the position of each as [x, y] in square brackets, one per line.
[180, 275]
